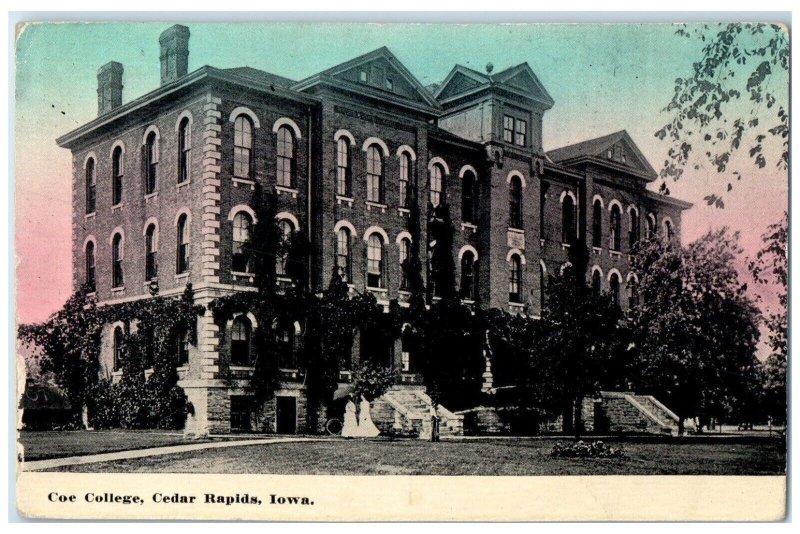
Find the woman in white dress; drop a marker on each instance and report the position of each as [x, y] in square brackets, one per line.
[366, 428]
[350, 425]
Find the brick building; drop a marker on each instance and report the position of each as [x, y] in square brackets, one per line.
[162, 186]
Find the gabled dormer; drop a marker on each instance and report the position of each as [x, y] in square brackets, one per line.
[378, 75]
[616, 151]
[504, 108]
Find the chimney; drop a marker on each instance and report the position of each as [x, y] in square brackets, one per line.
[174, 53]
[109, 87]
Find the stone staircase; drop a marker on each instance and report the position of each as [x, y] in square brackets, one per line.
[628, 412]
[405, 410]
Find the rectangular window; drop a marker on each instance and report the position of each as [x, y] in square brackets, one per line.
[362, 76]
[343, 167]
[521, 132]
[508, 129]
[404, 174]
[389, 84]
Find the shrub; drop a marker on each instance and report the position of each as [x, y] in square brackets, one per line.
[581, 449]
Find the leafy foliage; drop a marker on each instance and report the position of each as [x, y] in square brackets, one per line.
[770, 266]
[707, 127]
[695, 327]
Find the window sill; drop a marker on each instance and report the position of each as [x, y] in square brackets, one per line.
[89, 215]
[116, 207]
[468, 226]
[404, 292]
[116, 373]
[91, 295]
[615, 253]
[341, 199]
[597, 250]
[248, 182]
[516, 230]
[565, 246]
[182, 368]
[240, 274]
[179, 185]
[181, 276]
[378, 289]
[283, 279]
[516, 304]
[241, 367]
[467, 301]
[119, 289]
[404, 212]
[283, 189]
[370, 204]
[541, 243]
[148, 196]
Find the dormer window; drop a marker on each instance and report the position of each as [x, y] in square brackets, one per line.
[362, 76]
[521, 133]
[508, 129]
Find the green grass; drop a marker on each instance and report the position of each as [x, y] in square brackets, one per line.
[490, 457]
[43, 445]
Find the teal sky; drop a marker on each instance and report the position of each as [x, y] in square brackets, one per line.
[603, 78]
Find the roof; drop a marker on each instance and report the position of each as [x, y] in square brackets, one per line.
[261, 76]
[531, 87]
[597, 147]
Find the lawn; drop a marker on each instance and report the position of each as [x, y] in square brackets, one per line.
[485, 457]
[43, 445]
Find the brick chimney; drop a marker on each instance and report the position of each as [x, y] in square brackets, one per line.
[174, 53]
[109, 87]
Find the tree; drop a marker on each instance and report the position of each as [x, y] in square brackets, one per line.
[770, 267]
[580, 341]
[695, 328]
[735, 98]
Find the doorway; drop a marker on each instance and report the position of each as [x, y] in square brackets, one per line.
[286, 415]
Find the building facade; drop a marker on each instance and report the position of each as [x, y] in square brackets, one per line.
[163, 188]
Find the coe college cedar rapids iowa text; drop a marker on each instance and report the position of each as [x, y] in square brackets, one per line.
[176, 498]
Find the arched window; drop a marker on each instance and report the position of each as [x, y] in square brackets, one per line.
[668, 231]
[374, 174]
[150, 163]
[567, 220]
[633, 232]
[286, 230]
[469, 197]
[597, 223]
[343, 167]
[116, 176]
[90, 266]
[117, 278]
[651, 226]
[375, 276]
[405, 179]
[240, 341]
[243, 147]
[405, 256]
[597, 282]
[615, 230]
[633, 292]
[184, 150]
[240, 261]
[515, 279]
[91, 186]
[515, 202]
[118, 348]
[150, 253]
[613, 288]
[343, 256]
[284, 340]
[437, 186]
[285, 157]
[468, 276]
[182, 263]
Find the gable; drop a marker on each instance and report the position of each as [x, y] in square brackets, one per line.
[458, 84]
[523, 79]
[382, 75]
[625, 152]
[617, 147]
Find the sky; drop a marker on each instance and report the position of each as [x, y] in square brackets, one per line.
[603, 78]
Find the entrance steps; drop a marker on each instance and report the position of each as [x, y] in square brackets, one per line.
[629, 412]
[406, 410]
